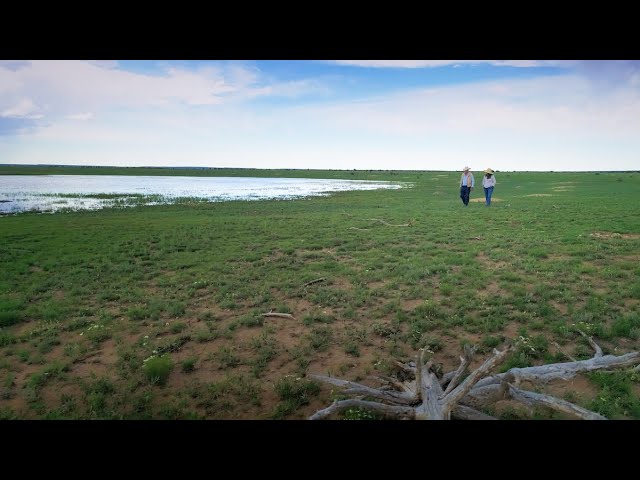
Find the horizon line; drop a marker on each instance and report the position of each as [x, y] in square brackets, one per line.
[58, 165]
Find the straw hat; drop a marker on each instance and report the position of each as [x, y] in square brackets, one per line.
[465, 169]
[488, 170]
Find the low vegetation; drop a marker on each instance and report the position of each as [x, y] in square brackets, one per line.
[159, 311]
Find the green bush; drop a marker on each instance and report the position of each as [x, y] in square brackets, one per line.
[189, 364]
[157, 369]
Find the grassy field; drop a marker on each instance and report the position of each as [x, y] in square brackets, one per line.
[156, 311]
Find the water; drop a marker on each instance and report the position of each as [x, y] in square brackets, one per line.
[51, 193]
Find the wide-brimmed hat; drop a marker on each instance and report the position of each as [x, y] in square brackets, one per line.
[465, 169]
[488, 170]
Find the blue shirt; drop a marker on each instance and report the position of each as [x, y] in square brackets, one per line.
[463, 180]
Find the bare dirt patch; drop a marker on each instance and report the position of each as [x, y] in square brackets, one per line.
[561, 307]
[485, 261]
[341, 283]
[479, 200]
[90, 367]
[539, 195]
[410, 305]
[492, 289]
[52, 394]
[578, 386]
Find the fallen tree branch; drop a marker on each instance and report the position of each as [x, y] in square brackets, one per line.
[422, 397]
[398, 385]
[393, 411]
[460, 412]
[565, 371]
[461, 390]
[314, 281]
[405, 366]
[388, 224]
[557, 404]
[279, 315]
[353, 388]
[465, 360]
[593, 344]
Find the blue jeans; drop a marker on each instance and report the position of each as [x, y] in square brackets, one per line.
[487, 195]
[464, 194]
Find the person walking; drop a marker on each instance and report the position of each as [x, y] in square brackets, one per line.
[467, 183]
[488, 182]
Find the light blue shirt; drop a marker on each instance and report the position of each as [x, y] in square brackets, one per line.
[463, 180]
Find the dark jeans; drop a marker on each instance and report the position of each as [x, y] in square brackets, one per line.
[464, 194]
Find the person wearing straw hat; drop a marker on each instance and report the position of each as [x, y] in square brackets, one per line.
[488, 182]
[466, 185]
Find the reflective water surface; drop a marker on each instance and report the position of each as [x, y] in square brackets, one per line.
[51, 193]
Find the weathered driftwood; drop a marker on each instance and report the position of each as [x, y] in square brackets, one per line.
[422, 398]
[427, 397]
[379, 220]
[565, 371]
[279, 315]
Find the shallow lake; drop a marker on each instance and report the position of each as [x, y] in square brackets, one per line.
[51, 193]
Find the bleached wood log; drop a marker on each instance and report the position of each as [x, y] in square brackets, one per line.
[424, 398]
[538, 399]
[566, 370]
[279, 315]
[389, 410]
[399, 398]
[460, 412]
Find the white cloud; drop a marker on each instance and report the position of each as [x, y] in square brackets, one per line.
[14, 64]
[80, 116]
[545, 123]
[546, 105]
[291, 89]
[445, 63]
[61, 87]
[23, 108]
[104, 63]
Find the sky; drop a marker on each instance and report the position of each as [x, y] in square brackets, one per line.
[509, 115]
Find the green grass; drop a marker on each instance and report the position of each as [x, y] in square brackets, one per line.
[157, 369]
[293, 393]
[84, 289]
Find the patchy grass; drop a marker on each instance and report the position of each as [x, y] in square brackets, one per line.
[85, 297]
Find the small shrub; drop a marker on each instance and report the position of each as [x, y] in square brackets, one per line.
[352, 349]
[491, 342]
[189, 365]
[157, 369]
[293, 392]
[178, 327]
[10, 318]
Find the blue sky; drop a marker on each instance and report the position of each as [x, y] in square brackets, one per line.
[345, 114]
